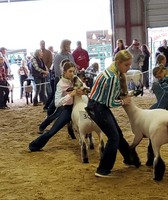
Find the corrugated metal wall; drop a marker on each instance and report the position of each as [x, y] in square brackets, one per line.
[128, 20]
[157, 13]
[131, 18]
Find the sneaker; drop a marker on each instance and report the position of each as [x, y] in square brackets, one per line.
[109, 175]
[33, 149]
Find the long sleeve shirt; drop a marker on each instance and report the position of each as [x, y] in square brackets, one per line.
[106, 88]
[62, 97]
[57, 60]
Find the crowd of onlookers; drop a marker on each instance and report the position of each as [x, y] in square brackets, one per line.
[52, 75]
[43, 68]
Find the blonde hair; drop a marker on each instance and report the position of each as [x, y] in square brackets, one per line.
[36, 53]
[123, 56]
[158, 69]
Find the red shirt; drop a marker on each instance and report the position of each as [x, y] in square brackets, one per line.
[81, 58]
[2, 73]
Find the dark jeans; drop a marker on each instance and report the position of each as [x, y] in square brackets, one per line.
[4, 93]
[51, 118]
[50, 98]
[61, 121]
[146, 79]
[104, 118]
[22, 79]
[51, 109]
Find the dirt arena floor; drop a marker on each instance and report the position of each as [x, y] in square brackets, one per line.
[56, 173]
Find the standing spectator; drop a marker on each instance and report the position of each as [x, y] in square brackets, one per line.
[47, 58]
[136, 52]
[145, 66]
[164, 50]
[4, 90]
[105, 94]
[23, 75]
[6, 61]
[81, 56]
[52, 80]
[65, 53]
[39, 71]
[119, 46]
[29, 65]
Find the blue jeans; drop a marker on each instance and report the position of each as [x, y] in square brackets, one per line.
[51, 118]
[61, 121]
[161, 96]
[104, 118]
[40, 90]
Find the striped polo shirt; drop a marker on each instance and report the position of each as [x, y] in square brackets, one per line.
[106, 88]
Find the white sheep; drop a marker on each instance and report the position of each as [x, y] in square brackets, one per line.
[152, 124]
[84, 125]
[134, 79]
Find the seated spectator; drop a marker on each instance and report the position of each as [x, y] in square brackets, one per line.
[91, 73]
[160, 59]
[160, 88]
[4, 90]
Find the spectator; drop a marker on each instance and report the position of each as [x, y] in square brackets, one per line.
[65, 53]
[39, 71]
[52, 80]
[81, 57]
[4, 90]
[23, 75]
[47, 59]
[164, 50]
[3, 50]
[119, 46]
[145, 66]
[137, 54]
[91, 73]
[161, 59]
[160, 88]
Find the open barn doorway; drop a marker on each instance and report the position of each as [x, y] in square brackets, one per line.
[155, 38]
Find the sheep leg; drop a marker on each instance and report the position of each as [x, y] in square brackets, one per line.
[101, 144]
[101, 148]
[12, 96]
[90, 139]
[133, 154]
[138, 137]
[158, 164]
[84, 152]
[150, 155]
[70, 130]
[27, 96]
[31, 97]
